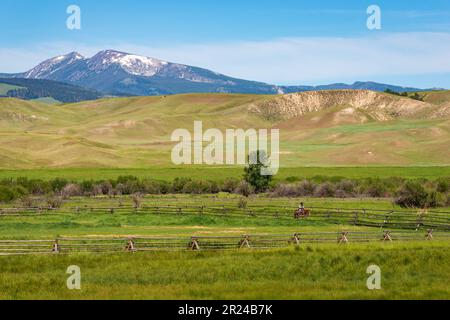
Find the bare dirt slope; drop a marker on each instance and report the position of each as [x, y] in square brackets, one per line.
[374, 105]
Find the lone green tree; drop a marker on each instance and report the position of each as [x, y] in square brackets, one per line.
[257, 160]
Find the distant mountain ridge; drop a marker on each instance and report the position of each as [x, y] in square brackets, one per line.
[122, 74]
[359, 85]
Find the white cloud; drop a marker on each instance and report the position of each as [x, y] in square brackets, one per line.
[291, 60]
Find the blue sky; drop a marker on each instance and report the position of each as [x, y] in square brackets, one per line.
[283, 42]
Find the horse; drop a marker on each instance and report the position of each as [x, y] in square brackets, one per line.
[302, 214]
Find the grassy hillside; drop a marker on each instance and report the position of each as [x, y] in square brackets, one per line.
[348, 129]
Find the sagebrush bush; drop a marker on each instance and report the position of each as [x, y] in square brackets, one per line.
[137, 199]
[285, 190]
[306, 188]
[244, 188]
[71, 190]
[414, 195]
[325, 190]
[242, 203]
[54, 201]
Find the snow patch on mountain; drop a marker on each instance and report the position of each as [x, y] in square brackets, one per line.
[130, 63]
[50, 66]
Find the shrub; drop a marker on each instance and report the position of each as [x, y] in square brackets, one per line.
[375, 188]
[443, 185]
[230, 184]
[325, 190]
[137, 199]
[54, 201]
[345, 188]
[306, 188]
[285, 190]
[414, 195]
[71, 190]
[242, 204]
[58, 184]
[197, 187]
[244, 188]
[107, 188]
[178, 184]
[27, 201]
[7, 194]
[151, 187]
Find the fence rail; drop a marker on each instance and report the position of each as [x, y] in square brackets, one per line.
[394, 219]
[70, 245]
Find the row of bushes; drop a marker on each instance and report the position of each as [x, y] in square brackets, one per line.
[418, 193]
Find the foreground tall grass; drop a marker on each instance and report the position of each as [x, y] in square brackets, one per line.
[321, 271]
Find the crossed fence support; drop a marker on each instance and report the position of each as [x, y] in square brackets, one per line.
[387, 236]
[296, 239]
[343, 237]
[193, 245]
[130, 245]
[245, 242]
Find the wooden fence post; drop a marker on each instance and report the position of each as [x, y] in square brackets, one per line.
[56, 248]
[296, 238]
[193, 245]
[387, 236]
[355, 222]
[130, 245]
[343, 237]
[245, 242]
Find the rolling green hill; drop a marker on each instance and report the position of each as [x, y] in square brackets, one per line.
[344, 128]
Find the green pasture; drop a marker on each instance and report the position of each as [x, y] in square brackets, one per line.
[320, 271]
[216, 173]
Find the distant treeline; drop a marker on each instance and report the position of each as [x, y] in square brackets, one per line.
[414, 96]
[38, 88]
[408, 193]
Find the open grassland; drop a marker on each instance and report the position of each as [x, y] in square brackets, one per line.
[88, 223]
[386, 137]
[217, 173]
[410, 270]
[320, 271]
[75, 218]
[344, 129]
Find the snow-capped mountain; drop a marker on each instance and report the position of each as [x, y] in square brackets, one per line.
[120, 73]
[48, 67]
[132, 64]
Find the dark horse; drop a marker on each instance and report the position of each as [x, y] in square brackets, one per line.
[299, 213]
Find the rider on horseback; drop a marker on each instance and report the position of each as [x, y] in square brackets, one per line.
[301, 207]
